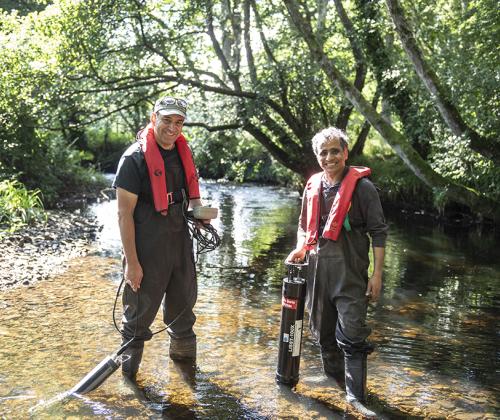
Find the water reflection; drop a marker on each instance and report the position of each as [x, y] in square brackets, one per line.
[436, 328]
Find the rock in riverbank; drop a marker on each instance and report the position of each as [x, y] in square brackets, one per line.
[37, 252]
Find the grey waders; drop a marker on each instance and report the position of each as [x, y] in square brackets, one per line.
[333, 364]
[338, 308]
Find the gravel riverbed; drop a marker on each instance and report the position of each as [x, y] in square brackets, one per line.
[42, 250]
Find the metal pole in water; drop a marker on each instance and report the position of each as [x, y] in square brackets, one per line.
[101, 372]
[97, 375]
[292, 315]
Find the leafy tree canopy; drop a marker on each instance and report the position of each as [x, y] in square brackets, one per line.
[261, 72]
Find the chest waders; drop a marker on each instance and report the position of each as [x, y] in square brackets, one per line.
[338, 313]
[292, 317]
[206, 241]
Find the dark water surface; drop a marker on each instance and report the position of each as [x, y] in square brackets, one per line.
[436, 328]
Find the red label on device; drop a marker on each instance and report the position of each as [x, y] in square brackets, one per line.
[289, 303]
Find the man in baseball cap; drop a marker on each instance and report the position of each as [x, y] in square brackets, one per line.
[156, 181]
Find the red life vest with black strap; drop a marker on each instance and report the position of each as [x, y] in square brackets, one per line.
[156, 168]
[340, 205]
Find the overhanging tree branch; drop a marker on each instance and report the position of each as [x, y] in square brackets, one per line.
[489, 148]
[153, 49]
[218, 50]
[248, 42]
[270, 56]
[279, 154]
[357, 148]
[357, 52]
[213, 128]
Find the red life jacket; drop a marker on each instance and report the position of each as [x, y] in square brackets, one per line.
[156, 168]
[340, 205]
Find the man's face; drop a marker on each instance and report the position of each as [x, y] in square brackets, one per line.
[167, 128]
[332, 158]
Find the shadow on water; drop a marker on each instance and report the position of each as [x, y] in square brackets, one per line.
[435, 328]
[152, 396]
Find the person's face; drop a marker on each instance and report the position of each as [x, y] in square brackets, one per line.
[332, 158]
[167, 128]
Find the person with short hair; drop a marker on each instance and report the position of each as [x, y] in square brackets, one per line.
[341, 212]
[156, 182]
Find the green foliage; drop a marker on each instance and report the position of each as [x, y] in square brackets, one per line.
[78, 79]
[65, 175]
[18, 205]
[454, 159]
[396, 182]
[238, 158]
[38, 157]
[23, 6]
[460, 41]
[106, 147]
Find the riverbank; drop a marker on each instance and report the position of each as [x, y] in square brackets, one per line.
[37, 252]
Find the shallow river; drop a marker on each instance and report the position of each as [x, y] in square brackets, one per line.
[436, 328]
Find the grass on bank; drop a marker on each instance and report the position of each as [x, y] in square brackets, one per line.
[19, 206]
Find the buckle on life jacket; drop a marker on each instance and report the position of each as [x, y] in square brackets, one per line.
[176, 197]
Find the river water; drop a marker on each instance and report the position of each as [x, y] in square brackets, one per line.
[436, 328]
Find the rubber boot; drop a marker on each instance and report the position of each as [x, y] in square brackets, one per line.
[131, 357]
[183, 349]
[334, 365]
[355, 384]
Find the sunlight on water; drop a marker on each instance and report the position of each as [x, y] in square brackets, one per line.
[435, 330]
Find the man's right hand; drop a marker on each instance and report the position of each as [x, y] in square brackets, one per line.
[296, 256]
[133, 275]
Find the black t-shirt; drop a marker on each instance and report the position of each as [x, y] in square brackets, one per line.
[328, 193]
[132, 174]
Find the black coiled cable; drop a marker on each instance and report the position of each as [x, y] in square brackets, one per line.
[207, 238]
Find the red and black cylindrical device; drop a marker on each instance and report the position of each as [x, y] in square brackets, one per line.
[292, 315]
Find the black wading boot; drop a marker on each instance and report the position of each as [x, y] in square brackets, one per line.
[355, 384]
[183, 349]
[131, 357]
[333, 364]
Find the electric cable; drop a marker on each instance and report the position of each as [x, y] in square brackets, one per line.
[124, 346]
[207, 238]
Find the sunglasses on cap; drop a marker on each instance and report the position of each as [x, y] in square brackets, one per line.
[169, 100]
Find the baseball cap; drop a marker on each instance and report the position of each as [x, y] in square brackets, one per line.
[169, 105]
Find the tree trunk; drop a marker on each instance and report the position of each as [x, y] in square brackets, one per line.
[358, 147]
[489, 148]
[450, 190]
[400, 99]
